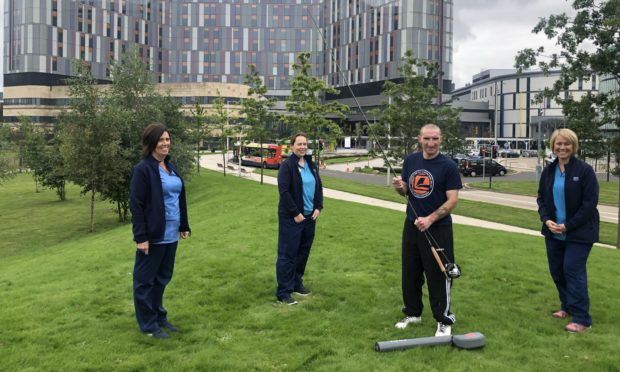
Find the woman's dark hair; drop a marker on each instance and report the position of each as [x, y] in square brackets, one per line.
[151, 136]
[299, 134]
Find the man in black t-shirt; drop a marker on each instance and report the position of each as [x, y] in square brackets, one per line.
[431, 182]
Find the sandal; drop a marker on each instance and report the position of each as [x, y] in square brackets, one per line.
[576, 328]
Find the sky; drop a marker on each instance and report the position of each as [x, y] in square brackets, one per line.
[2, 46]
[487, 33]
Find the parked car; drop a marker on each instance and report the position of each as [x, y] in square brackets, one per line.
[529, 153]
[509, 153]
[473, 152]
[474, 167]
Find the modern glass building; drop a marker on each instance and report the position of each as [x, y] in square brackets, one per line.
[204, 42]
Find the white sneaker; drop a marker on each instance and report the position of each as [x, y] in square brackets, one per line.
[404, 322]
[443, 330]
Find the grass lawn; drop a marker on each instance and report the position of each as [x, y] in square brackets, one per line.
[66, 300]
[608, 191]
[345, 159]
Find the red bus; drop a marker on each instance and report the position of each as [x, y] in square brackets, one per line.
[273, 155]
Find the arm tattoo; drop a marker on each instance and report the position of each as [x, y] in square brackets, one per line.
[441, 212]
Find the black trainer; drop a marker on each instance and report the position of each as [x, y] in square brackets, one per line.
[166, 324]
[288, 301]
[302, 291]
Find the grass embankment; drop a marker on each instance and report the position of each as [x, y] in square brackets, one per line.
[66, 298]
[608, 191]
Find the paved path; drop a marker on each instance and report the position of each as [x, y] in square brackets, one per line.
[210, 162]
[606, 212]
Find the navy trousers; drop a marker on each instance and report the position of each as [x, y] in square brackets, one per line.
[151, 274]
[294, 243]
[418, 262]
[567, 265]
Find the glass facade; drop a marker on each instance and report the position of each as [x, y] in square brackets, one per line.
[366, 39]
[181, 40]
[215, 40]
[194, 44]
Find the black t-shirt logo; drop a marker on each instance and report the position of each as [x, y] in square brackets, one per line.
[421, 183]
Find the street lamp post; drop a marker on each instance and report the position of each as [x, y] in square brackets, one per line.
[538, 165]
[496, 118]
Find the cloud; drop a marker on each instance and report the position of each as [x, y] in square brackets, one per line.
[2, 47]
[488, 34]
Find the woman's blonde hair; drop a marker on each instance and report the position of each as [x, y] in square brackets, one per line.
[570, 136]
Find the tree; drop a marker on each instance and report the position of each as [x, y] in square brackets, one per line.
[33, 149]
[172, 117]
[410, 105]
[24, 129]
[219, 122]
[589, 45]
[256, 108]
[584, 120]
[89, 145]
[5, 170]
[307, 108]
[128, 106]
[45, 162]
[198, 131]
[28, 145]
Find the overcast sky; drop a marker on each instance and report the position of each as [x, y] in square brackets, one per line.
[487, 33]
[2, 46]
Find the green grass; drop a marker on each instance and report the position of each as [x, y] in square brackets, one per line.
[608, 191]
[345, 159]
[66, 301]
[485, 211]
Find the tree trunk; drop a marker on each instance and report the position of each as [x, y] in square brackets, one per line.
[61, 192]
[198, 158]
[92, 210]
[118, 211]
[224, 160]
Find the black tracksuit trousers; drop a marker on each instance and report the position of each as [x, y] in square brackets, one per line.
[418, 262]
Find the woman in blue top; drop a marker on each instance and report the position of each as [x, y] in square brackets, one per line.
[159, 217]
[301, 202]
[567, 199]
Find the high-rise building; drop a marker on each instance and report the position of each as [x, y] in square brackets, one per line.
[203, 42]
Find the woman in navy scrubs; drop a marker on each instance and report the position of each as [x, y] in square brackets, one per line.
[301, 202]
[567, 199]
[159, 218]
